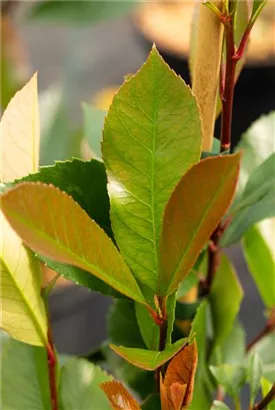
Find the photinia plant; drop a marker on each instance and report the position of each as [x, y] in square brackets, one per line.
[147, 225]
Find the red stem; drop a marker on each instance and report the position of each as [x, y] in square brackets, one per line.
[228, 95]
[266, 400]
[52, 370]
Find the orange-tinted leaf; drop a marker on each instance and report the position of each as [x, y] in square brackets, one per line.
[179, 379]
[194, 210]
[119, 397]
[52, 224]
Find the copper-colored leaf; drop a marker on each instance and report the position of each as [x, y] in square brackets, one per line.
[194, 210]
[119, 397]
[52, 224]
[177, 388]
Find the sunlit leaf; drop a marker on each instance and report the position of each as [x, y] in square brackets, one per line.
[152, 135]
[22, 309]
[79, 386]
[20, 134]
[261, 263]
[266, 386]
[149, 359]
[52, 224]
[225, 301]
[119, 397]
[24, 377]
[176, 390]
[255, 370]
[192, 213]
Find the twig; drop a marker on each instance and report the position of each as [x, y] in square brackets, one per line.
[269, 328]
[261, 405]
[52, 370]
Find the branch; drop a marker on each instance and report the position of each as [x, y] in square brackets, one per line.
[261, 405]
[269, 328]
[52, 370]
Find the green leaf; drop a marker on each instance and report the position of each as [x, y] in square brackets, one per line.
[257, 202]
[24, 377]
[52, 224]
[224, 300]
[152, 402]
[122, 324]
[231, 377]
[254, 375]
[79, 11]
[22, 309]
[219, 405]
[79, 386]
[194, 210]
[233, 347]
[93, 127]
[193, 276]
[266, 386]
[241, 19]
[261, 263]
[152, 135]
[256, 144]
[149, 359]
[199, 330]
[258, 5]
[265, 350]
[148, 328]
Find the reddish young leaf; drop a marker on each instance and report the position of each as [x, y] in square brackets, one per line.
[176, 390]
[51, 223]
[194, 210]
[119, 397]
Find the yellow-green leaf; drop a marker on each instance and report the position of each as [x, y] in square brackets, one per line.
[22, 310]
[152, 135]
[20, 133]
[194, 210]
[149, 359]
[52, 224]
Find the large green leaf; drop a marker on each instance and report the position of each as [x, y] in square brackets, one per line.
[52, 224]
[194, 210]
[149, 359]
[261, 263]
[225, 300]
[79, 11]
[22, 310]
[24, 377]
[257, 202]
[256, 144]
[79, 386]
[93, 127]
[152, 135]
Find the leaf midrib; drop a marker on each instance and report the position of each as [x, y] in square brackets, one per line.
[71, 253]
[36, 322]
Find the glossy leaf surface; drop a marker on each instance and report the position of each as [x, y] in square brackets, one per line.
[152, 135]
[194, 210]
[22, 310]
[55, 226]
